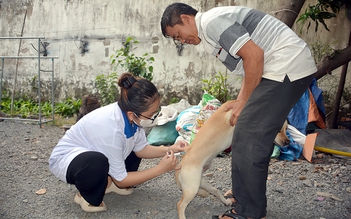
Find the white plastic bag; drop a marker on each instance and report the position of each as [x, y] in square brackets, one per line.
[296, 135]
[185, 122]
[170, 112]
[164, 130]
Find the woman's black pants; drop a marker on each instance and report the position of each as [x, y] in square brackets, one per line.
[89, 171]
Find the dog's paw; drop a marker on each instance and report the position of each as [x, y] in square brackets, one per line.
[229, 201]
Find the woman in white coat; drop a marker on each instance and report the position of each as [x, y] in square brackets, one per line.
[101, 153]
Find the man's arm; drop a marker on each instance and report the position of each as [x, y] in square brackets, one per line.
[253, 60]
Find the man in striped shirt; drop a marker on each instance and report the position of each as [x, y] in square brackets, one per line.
[277, 68]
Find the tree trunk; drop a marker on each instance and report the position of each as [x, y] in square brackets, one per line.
[289, 10]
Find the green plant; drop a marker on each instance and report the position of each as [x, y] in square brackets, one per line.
[5, 105]
[217, 87]
[68, 108]
[27, 108]
[319, 12]
[106, 86]
[137, 65]
[174, 100]
[34, 83]
[46, 108]
[21, 107]
[319, 50]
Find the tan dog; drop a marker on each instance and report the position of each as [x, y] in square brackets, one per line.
[213, 137]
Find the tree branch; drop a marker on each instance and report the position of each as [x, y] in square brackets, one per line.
[331, 62]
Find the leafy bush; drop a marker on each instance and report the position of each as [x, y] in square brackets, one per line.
[217, 87]
[107, 88]
[137, 65]
[46, 108]
[27, 108]
[319, 12]
[68, 108]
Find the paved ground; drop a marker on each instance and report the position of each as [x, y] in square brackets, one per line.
[295, 189]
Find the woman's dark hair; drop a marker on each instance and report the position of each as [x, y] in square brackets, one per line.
[137, 94]
[171, 15]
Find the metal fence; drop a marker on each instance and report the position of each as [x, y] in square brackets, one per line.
[40, 119]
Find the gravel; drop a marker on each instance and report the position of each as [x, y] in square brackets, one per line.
[294, 189]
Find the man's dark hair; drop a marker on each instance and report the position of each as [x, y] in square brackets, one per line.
[171, 15]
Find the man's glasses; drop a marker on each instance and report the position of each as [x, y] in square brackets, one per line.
[153, 117]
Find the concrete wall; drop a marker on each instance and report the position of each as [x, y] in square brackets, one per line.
[84, 34]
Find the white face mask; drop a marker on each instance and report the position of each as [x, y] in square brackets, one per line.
[145, 123]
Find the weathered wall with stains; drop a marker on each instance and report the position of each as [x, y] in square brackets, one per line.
[84, 34]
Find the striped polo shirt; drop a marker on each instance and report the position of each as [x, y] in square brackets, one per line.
[224, 30]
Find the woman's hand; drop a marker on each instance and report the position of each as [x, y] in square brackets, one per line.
[179, 146]
[169, 162]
